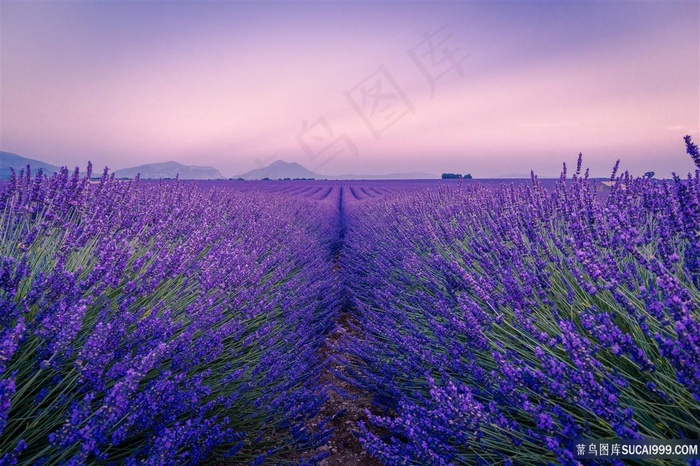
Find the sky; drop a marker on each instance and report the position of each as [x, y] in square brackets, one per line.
[488, 88]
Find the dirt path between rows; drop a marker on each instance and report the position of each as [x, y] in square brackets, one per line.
[346, 404]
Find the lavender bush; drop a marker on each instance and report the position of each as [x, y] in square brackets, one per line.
[502, 324]
[174, 323]
[159, 323]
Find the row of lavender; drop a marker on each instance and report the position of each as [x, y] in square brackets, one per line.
[502, 324]
[160, 323]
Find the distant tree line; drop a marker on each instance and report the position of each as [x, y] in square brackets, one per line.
[453, 176]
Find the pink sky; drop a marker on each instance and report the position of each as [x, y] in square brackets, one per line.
[230, 84]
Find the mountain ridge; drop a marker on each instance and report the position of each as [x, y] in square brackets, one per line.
[161, 170]
[170, 169]
[281, 169]
[391, 176]
[10, 160]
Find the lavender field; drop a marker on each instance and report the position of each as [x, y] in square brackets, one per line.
[489, 323]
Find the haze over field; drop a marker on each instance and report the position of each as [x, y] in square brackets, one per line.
[486, 88]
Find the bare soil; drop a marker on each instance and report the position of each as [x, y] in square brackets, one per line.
[346, 404]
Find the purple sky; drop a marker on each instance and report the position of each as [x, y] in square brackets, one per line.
[513, 85]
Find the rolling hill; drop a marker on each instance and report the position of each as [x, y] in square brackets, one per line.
[8, 160]
[281, 169]
[156, 171]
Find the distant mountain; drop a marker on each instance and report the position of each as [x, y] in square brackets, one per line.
[156, 171]
[281, 169]
[9, 160]
[392, 176]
